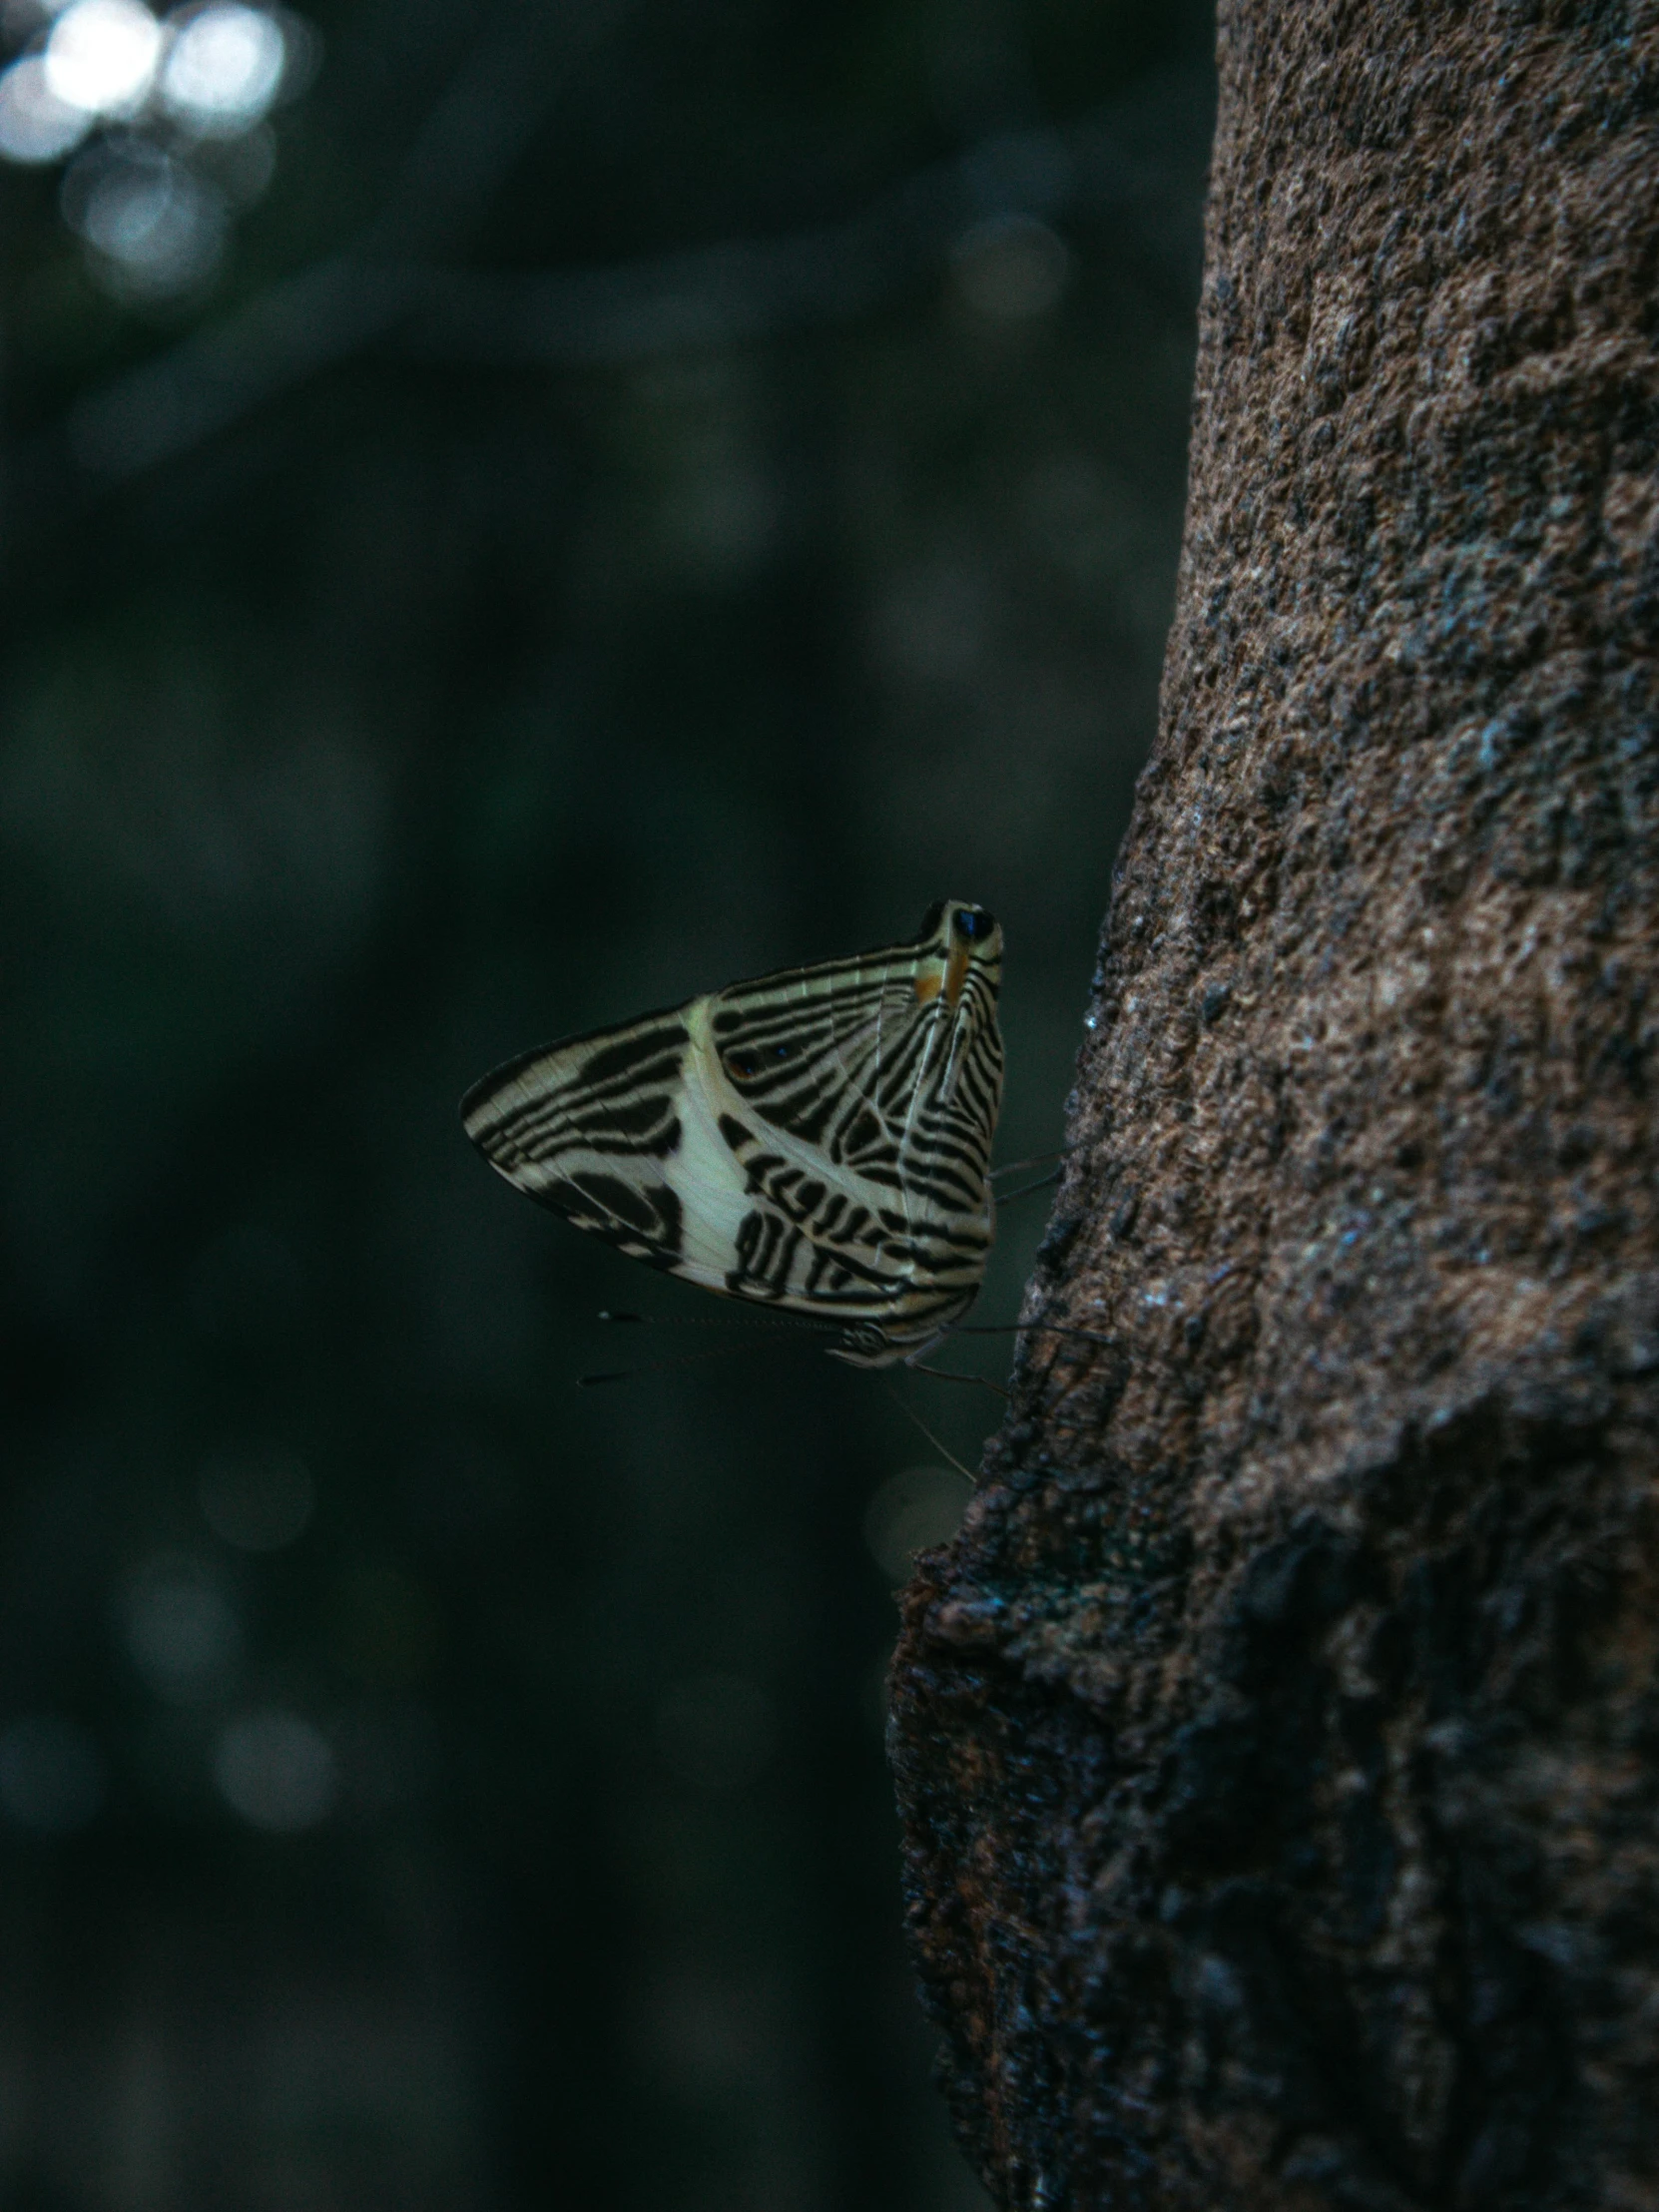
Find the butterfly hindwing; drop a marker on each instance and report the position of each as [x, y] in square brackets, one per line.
[817, 1140]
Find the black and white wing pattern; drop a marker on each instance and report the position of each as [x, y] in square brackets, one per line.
[816, 1141]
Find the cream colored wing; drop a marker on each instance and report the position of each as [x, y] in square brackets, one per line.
[815, 1140]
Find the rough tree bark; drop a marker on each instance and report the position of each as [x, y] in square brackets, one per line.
[1277, 1746]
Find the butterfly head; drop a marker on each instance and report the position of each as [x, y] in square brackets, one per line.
[958, 939]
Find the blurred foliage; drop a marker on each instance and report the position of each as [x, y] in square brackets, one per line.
[423, 1783]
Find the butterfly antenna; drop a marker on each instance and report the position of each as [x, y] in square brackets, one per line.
[944, 1375]
[1033, 1160]
[1028, 1329]
[944, 1450]
[1043, 1182]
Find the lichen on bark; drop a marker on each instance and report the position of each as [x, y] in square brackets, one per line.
[1277, 1746]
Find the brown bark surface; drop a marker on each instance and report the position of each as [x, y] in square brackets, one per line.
[1279, 1745]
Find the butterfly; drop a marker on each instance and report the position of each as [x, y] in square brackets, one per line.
[816, 1141]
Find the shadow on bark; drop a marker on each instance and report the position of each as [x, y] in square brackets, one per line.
[1276, 1744]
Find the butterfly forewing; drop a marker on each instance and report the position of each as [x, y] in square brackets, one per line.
[583, 1126]
[817, 1140]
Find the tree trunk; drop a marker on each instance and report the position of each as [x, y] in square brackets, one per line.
[1276, 1745]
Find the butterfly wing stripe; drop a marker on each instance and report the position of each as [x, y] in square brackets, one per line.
[583, 1126]
[743, 1237]
[879, 962]
[546, 1082]
[794, 1245]
[815, 1140]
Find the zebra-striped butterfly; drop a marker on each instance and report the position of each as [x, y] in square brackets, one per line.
[818, 1140]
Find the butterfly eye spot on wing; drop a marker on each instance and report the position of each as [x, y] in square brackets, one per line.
[974, 924]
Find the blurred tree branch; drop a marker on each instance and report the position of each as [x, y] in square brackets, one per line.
[385, 288]
[1277, 1746]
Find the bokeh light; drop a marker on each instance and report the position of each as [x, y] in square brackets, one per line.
[1012, 269]
[168, 123]
[180, 1630]
[36, 127]
[910, 1512]
[224, 67]
[277, 1771]
[155, 225]
[103, 55]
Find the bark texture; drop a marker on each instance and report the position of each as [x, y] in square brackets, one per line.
[1277, 1746]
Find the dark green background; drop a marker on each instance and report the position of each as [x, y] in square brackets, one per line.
[398, 677]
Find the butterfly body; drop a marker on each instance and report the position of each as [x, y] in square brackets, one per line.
[817, 1140]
